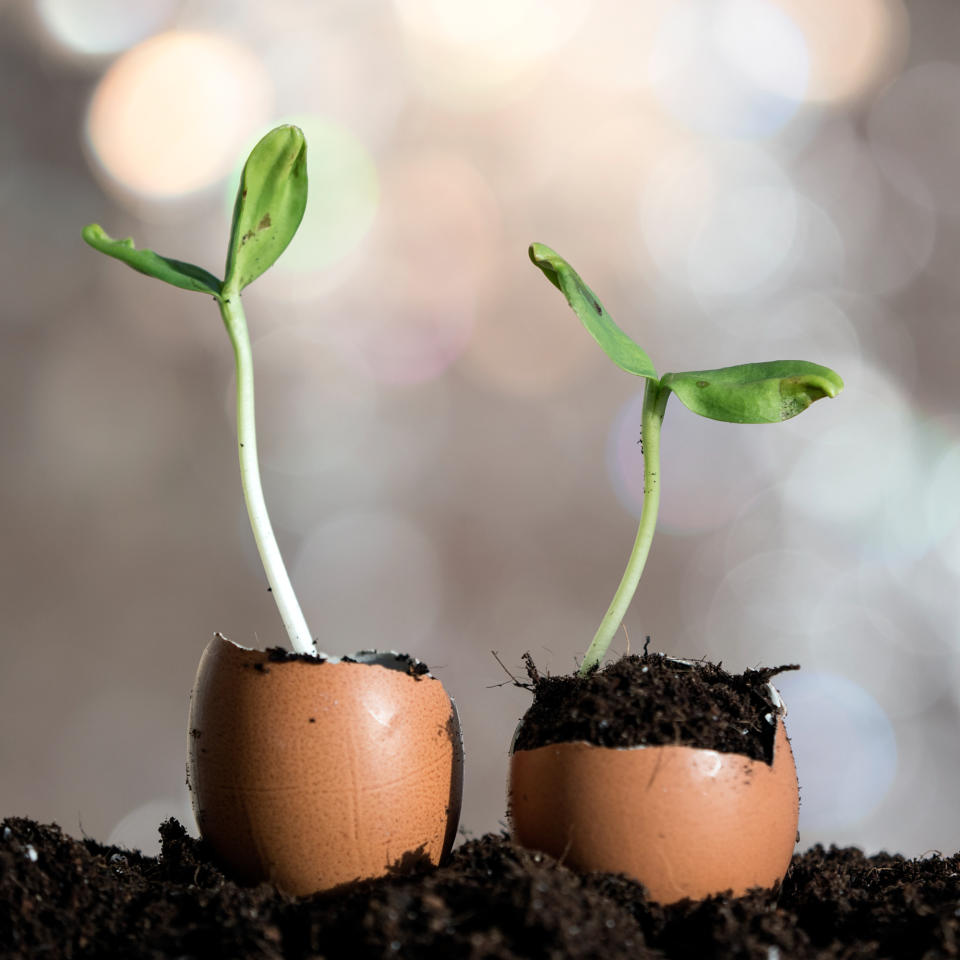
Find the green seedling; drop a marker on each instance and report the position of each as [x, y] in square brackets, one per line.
[747, 393]
[270, 203]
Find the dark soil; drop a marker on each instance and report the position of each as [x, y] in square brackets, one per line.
[61, 897]
[653, 700]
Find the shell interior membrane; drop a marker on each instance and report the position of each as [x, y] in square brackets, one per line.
[777, 700]
[391, 659]
[686, 663]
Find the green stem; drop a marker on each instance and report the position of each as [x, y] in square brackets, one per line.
[654, 405]
[236, 323]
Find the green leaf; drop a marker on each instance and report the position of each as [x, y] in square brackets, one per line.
[176, 272]
[269, 206]
[623, 351]
[754, 392]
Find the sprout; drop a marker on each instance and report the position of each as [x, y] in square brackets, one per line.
[747, 393]
[269, 207]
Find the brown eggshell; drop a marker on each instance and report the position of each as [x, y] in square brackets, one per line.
[312, 775]
[685, 822]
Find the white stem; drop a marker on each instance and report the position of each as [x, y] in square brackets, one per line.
[286, 600]
[654, 405]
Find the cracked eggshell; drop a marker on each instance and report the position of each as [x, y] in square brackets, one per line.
[684, 822]
[314, 774]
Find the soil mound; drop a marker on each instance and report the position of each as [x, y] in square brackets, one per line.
[61, 897]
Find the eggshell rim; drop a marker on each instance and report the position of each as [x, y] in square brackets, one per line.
[365, 658]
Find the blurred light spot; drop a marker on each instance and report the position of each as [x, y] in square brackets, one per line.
[420, 337]
[408, 437]
[140, 828]
[171, 115]
[369, 581]
[97, 27]
[343, 199]
[816, 258]
[819, 255]
[853, 46]
[772, 591]
[398, 449]
[878, 202]
[323, 69]
[615, 45]
[830, 168]
[949, 551]
[894, 248]
[943, 506]
[745, 239]
[810, 324]
[767, 521]
[844, 746]
[761, 521]
[702, 476]
[729, 66]
[723, 224]
[543, 165]
[913, 522]
[917, 117]
[747, 593]
[538, 356]
[864, 460]
[434, 247]
[467, 54]
[869, 624]
[517, 28]
[313, 409]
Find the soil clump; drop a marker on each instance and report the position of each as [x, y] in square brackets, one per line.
[654, 700]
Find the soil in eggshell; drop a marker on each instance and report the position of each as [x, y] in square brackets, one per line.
[653, 700]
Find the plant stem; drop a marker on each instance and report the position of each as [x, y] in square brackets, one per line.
[654, 404]
[236, 323]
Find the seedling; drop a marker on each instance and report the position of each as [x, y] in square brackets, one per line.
[746, 393]
[269, 207]
[265, 802]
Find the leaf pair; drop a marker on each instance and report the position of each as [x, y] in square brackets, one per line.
[746, 393]
[270, 203]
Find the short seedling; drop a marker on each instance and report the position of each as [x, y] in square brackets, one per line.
[269, 207]
[747, 393]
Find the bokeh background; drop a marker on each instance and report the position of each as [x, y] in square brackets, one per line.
[451, 462]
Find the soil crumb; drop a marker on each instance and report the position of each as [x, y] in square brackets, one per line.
[61, 897]
[654, 700]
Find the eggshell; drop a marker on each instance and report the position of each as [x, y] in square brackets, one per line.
[683, 821]
[311, 775]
